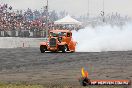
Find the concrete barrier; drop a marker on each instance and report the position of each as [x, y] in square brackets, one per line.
[16, 42]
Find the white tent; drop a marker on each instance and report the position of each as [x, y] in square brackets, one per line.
[67, 20]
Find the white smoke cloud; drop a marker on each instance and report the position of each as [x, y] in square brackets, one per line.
[104, 38]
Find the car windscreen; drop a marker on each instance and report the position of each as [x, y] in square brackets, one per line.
[57, 34]
[62, 33]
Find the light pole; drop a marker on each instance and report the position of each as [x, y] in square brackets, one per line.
[88, 9]
[103, 13]
[47, 28]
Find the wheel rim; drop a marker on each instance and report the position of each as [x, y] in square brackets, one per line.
[44, 49]
[65, 49]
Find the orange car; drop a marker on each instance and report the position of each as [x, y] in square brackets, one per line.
[58, 40]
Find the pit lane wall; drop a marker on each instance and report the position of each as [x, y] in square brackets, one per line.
[16, 42]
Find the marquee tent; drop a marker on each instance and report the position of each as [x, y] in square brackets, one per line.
[68, 20]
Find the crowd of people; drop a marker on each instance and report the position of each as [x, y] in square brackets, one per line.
[23, 24]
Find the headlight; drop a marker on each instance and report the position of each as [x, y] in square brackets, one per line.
[60, 39]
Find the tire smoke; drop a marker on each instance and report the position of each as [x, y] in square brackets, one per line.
[104, 38]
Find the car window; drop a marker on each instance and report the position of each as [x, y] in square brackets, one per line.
[53, 34]
[68, 34]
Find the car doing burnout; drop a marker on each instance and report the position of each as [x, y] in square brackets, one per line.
[58, 40]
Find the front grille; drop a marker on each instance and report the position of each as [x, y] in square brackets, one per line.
[52, 42]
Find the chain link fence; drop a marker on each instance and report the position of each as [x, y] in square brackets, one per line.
[23, 33]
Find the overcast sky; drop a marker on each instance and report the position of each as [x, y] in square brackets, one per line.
[76, 7]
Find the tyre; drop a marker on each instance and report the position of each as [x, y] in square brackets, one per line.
[64, 49]
[42, 49]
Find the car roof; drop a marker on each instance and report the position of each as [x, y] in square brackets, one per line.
[60, 30]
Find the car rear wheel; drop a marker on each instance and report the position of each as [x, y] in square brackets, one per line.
[42, 49]
[64, 49]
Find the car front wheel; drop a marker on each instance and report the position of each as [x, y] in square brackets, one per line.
[64, 49]
[42, 49]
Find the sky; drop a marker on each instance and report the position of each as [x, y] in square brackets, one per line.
[76, 7]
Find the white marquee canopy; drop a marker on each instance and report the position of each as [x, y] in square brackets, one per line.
[68, 20]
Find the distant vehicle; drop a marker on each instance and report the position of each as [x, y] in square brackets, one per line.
[58, 40]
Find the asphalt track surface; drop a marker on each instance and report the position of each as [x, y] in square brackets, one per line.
[29, 65]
